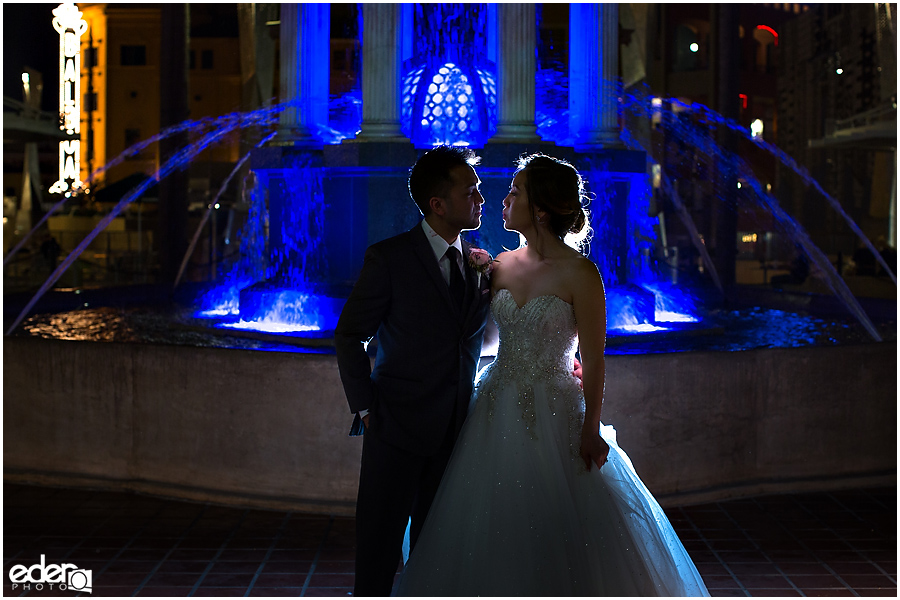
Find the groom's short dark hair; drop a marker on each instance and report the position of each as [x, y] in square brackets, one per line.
[430, 176]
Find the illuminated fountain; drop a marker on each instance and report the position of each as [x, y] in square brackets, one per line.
[448, 94]
[318, 197]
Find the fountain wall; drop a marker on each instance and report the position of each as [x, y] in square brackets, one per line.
[269, 429]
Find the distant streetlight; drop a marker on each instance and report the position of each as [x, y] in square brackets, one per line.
[695, 47]
[756, 128]
[839, 71]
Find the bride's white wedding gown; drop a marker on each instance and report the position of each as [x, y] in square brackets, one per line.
[517, 513]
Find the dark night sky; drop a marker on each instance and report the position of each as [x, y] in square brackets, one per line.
[30, 40]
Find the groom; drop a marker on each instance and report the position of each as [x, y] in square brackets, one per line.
[428, 306]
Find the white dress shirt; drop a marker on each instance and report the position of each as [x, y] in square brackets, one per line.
[439, 245]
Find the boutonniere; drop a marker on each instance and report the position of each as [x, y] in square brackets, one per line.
[481, 261]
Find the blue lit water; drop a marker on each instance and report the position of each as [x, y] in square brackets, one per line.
[752, 329]
[720, 331]
[210, 132]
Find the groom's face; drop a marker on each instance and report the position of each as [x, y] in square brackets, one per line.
[462, 200]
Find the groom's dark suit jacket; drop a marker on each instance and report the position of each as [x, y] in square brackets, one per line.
[428, 349]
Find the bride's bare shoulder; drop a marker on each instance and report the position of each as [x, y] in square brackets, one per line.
[508, 256]
[585, 276]
[578, 263]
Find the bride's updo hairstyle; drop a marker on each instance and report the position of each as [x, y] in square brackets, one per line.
[555, 186]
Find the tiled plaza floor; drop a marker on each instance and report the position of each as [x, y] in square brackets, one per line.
[812, 544]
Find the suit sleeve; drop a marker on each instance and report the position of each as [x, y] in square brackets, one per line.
[360, 319]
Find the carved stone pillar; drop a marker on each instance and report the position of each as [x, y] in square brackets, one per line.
[593, 74]
[305, 50]
[381, 73]
[516, 72]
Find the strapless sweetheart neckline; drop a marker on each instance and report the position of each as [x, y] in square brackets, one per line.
[513, 298]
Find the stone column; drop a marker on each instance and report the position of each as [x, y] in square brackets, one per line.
[381, 73]
[305, 51]
[593, 74]
[516, 71]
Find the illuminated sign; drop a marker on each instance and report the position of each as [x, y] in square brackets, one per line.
[68, 22]
[770, 30]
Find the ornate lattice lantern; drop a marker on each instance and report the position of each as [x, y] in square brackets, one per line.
[449, 93]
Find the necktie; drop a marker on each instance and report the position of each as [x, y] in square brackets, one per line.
[457, 285]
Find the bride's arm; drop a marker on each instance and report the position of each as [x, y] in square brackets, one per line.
[491, 333]
[589, 300]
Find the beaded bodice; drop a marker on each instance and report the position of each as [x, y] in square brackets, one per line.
[537, 341]
[537, 352]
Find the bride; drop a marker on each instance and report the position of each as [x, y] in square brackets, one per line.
[538, 499]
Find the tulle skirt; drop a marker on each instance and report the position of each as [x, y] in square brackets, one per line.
[518, 514]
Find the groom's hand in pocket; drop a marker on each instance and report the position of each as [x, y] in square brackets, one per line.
[365, 420]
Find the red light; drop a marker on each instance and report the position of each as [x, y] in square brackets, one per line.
[770, 30]
[743, 100]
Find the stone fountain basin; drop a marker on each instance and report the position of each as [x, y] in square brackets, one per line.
[269, 429]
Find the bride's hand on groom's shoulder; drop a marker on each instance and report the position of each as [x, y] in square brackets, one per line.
[594, 449]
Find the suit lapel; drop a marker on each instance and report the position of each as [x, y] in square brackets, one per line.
[426, 256]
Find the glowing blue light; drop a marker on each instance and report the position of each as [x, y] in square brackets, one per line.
[641, 328]
[674, 317]
[269, 326]
[448, 109]
[216, 312]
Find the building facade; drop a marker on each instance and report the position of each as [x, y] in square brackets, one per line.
[838, 104]
[121, 83]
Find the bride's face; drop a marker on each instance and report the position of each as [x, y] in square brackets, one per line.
[516, 208]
